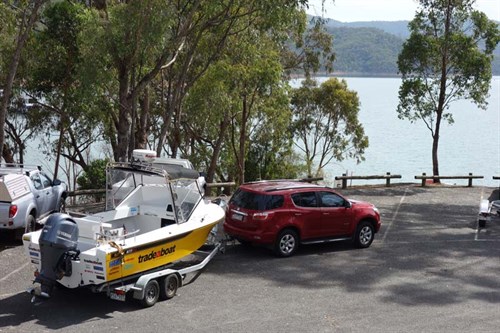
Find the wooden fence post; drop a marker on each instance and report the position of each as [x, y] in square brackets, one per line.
[470, 179]
[344, 181]
[388, 180]
[423, 179]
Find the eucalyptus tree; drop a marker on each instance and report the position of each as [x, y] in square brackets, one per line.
[325, 123]
[66, 97]
[18, 19]
[241, 100]
[134, 41]
[237, 112]
[446, 58]
[208, 41]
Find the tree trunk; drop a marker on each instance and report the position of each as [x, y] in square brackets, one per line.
[217, 149]
[59, 148]
[141, 134]
[124, 110]
[243, 136]
[7, 154]
[22, 36]
[442, 94]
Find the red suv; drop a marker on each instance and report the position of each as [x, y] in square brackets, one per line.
[286, 213]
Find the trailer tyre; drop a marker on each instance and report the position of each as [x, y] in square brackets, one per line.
[151, 293]
[169, 286]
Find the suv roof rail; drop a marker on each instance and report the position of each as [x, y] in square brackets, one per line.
[303, 180]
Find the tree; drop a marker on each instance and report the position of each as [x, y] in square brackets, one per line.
[446, 58]
[26, 13]
[325, 124]
[57, 80]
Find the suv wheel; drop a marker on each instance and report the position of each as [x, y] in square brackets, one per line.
[286, 243]
[364, 234]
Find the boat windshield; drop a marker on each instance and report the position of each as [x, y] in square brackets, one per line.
[121, 182]
[187, 196]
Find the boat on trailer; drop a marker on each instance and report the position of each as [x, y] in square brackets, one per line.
[153, 218]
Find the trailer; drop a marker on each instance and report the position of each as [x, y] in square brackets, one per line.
[157, 284]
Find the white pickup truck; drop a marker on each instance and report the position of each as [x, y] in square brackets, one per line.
[27, 195]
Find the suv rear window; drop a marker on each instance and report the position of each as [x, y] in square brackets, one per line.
[256, 201]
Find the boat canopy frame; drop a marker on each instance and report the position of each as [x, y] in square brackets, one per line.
[182, 204]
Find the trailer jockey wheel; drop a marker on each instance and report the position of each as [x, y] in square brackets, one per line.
[169, 285]
[151, 293]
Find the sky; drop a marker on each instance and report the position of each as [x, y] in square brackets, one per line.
[384, 10]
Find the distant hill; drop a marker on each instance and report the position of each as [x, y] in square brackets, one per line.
[365, 50]
[397, 28]
[372, 48]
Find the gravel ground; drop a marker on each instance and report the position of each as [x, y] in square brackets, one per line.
[429, 269]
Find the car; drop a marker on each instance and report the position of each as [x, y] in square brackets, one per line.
[284, 214]
[26, 196]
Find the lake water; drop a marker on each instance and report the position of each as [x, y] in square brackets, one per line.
[471, 144]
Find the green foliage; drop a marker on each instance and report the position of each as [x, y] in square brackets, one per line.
[94, 177]
[62, 83]
[7, 38]
[432, 55]
[242, 101]
[365, 50]
[446, 58]
[325, 123]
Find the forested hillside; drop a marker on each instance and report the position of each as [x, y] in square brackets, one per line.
[365, 50]
[372, 48]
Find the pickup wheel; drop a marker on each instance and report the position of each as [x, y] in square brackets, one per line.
[62, 205]
[365, 232]
[31, 224]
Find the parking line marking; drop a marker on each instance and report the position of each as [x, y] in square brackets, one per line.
[476, 236]
[394, 216]
[14, 272]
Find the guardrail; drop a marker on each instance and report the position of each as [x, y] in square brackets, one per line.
[387, 178]
[497, 178]
[424, 178]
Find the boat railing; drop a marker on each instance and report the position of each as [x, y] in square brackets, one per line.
[115, 235]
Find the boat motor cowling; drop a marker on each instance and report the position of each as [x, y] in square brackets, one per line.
[58, 246]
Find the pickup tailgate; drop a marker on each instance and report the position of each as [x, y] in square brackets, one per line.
[4, 213]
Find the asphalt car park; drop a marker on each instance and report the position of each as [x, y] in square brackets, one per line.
[430, 268]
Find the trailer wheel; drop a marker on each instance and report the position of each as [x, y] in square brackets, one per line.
[169, 286]
[151, 293]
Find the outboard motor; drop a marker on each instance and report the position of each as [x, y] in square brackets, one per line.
[58, 246]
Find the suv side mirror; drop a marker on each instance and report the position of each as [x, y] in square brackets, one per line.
[56, 182]
[347, 204]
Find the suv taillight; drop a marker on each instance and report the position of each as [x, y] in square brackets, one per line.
[261, 216]
[12, 211]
